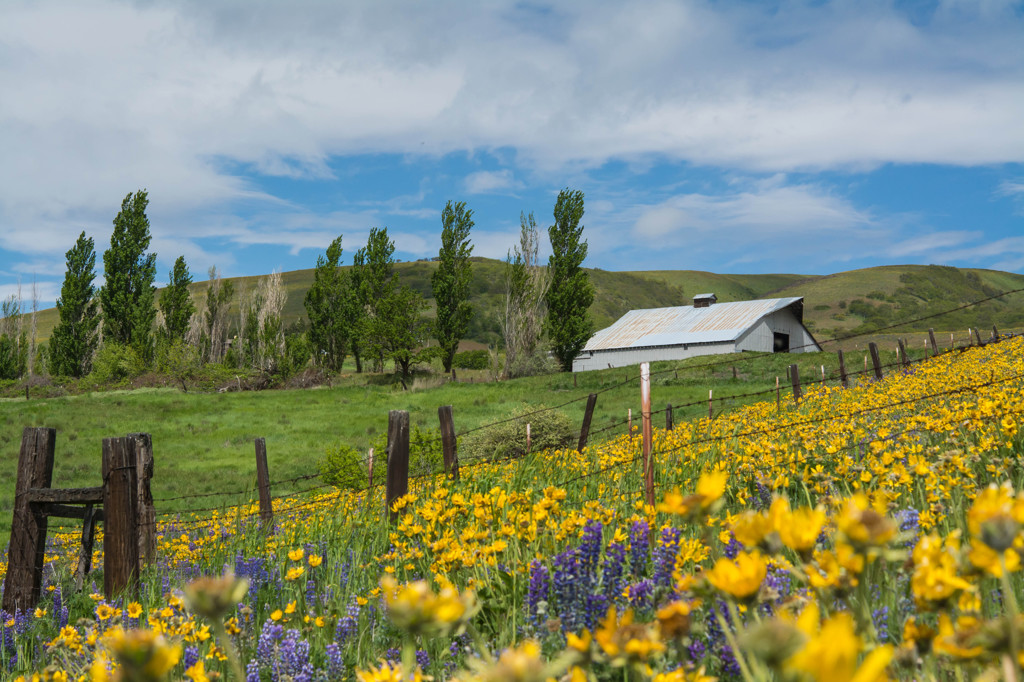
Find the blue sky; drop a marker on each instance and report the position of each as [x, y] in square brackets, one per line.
[808, 137]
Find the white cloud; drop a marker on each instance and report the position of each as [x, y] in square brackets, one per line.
[931, 243]
[489, 182]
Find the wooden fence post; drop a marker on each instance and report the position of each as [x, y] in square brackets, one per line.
[263, 484]
[710, 408]
[647, 432]
[398, 459]
[904, 360]
[449, 444]
[931, 340]
[995, 339]
[24, 580]
[977, 335]
[588, 415]
[529, 441]
[142, 448]
[794, 376]
[629, 423]
[842, 370]
[668, 417]
[120, 519]
[778, 396]
[875, 361]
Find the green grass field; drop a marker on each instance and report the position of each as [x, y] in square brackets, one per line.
[203, 442]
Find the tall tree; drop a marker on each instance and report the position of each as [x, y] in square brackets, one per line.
[377, 281]
[210, 338]
[74, 339]
[355, 314]
[327, 306]
[450, 282]
[13, 339]
[176, 302]
[526, 283]
[128, 293]
[570, 293]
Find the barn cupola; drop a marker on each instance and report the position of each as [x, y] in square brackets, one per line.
[704, 300]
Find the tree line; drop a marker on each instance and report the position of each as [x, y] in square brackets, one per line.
[359, 311]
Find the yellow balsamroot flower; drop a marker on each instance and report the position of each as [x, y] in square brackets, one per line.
[681, 675]
[935, 579]
[674, 620]
[622, 641]
[388, 672]
[416, 608]
[296, 554]
[134, 609]
[985, 558]
[143, 655]
[294, 573]
[751, 528]
[799, 530]
[863, 524]
[710, 489]
[523, 663]
[996, 516]
[315, 560]
[213, 598]
[740, 577]
[954, 642]
[831, 652]
[197, 673]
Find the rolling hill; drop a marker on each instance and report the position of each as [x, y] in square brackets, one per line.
[834, 304]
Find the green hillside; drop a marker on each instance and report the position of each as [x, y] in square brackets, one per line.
[857, 300]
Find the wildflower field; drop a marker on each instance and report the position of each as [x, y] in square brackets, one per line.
[867, 533]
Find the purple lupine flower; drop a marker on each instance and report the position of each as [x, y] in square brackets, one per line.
[762, 497]
[696, 649]
[567, 590]
[611, 572]
[590, 547]
[665, 555]
[880, 618]
[190, 656]
[266, 648]
[717, 642]
[540, 584]
[639, 537]
[393, 655]
[640, 595]
[294, 655]
[335, 664]
[777, 582]
[252, 671]
[422, 659]
[348, 624]
[909, 520]
[597, 607]
[310, 592]
[733, 547]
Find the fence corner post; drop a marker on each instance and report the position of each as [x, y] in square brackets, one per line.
[398, 459]
[142, 451]
[24, 580]
[120, 518]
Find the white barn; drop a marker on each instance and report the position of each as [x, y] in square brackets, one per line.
[705, 328]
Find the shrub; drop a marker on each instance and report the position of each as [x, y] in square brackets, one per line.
[343, 467]
[532, 365]
[116, 362]
[549, 429]
[472, 359]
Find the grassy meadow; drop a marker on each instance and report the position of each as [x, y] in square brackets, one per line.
[863, 534]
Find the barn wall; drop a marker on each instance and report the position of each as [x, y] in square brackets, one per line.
[761, 336]
[624, 357]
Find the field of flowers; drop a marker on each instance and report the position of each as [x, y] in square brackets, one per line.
[867, 533]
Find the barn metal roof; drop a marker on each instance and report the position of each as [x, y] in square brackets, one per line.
[720, 322]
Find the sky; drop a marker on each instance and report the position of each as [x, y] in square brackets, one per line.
[727, 136]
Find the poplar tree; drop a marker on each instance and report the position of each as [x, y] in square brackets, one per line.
[450, 282]
[74, 339]
[328, 307]
[570, 292]
[176, 302]
[127, 295]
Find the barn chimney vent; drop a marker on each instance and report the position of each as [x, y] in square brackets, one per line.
[704, 300]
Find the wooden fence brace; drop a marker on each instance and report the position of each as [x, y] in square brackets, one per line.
[794, 376]
[873, 348]
[263, 484]
[645, 416]
[142, 447]
[931, 340]
[842, 370]
[449, 443]
[668, 417]
[120, 519]
[92, 515]
[398, 459]
[588, 415]
[904, 360]
[24, 580]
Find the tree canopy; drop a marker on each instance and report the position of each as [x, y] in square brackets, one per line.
[176, 302]
[570, 292]
[74, 339]
[450, 282]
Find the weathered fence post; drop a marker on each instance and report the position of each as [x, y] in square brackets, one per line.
[588, 415]
[398, 459]
[710, 406]
[529, 440]
[668, 417]
[92, 515]
[263, 483]
[931, 340]
[629, 423]
[647, 432]
[995, 339]
[875, 360]
[977, 335]
[904, 360]
[26, 387]
[120, 518]
[449, 444]
[142, 448]
[778, 396]
[842, 370]
[24, 580]
[794, 376]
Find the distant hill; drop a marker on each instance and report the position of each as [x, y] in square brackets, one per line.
[857, 300]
